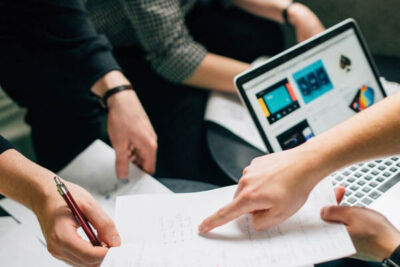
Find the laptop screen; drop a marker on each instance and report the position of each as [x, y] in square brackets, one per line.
[313, 91]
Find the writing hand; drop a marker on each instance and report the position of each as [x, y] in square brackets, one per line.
[59, 228]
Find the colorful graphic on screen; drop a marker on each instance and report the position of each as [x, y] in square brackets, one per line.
[313, 81]
[295, 136]
[278, 101]
[364, 98]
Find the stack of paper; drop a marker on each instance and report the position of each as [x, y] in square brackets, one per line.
[159, 229]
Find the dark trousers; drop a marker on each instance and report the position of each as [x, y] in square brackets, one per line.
[62, 131]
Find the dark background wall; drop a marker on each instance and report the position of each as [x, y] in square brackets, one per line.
[379, 20]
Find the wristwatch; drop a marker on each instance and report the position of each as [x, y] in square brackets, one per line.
[394, 260]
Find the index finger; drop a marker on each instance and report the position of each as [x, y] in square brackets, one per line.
[72, 242]
[233, 210]
[122, 162]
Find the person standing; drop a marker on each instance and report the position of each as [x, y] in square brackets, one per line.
[55, 64]
[178, 50]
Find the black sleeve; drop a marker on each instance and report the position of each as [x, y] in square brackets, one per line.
[4, 145]
[51, 45]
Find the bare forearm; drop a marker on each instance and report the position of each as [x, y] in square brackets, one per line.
[217, 73]
[23, 180]
[271, 9]
[370, 134]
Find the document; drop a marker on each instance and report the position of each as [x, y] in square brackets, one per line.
[20, 248]
[228, 111]
[94, 170]
[166, 226]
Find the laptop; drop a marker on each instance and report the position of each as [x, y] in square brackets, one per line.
[314, 86]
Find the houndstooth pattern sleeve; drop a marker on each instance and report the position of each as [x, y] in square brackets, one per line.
[161, 31]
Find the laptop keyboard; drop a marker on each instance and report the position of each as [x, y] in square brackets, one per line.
[368, 181]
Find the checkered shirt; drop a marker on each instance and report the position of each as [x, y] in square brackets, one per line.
[158, 26]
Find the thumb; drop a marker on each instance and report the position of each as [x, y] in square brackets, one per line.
[336, 214]
[106, 230]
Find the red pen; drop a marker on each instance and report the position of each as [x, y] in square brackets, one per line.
[79, 216]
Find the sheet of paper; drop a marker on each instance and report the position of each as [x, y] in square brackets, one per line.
[390, 87]
[154, 256]
[228, 111]
[171, 221]
[20, 248]
[94, 170]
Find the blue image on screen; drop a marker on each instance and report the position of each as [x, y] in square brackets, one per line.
[313, 81]
[277, 99]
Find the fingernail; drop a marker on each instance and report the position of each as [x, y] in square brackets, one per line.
[116, 241]
[323, 212]
[201, 229]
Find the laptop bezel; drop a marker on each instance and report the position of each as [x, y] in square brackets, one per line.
[293, 52]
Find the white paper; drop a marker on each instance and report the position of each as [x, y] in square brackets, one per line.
[169, 223]
[94, 170]
[390, 87]
[155, 256]
[20, 248]
[228, 111]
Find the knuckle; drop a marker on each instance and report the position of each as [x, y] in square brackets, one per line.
[244, 181]
[88, 205]
[52, 250]
[153, 145]
[349, 213]
[54, 238]
[207, 222]
[108, 223]
[249, 195]
[221, 213]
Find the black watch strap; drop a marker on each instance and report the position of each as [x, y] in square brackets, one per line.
[394, 260]
[103, 100]
[285, 14]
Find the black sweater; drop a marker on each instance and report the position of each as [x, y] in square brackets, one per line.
[50, 54]
[4, 144]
